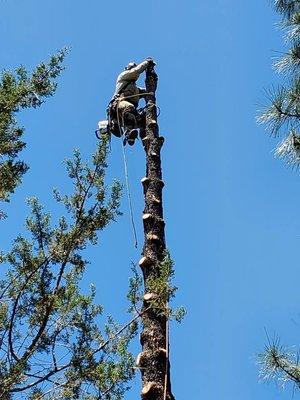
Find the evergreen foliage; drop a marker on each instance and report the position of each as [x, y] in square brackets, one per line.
[51, 346]
[283, 116]
[54, 341]
[280, 364]
[19, 90]
[161, 287]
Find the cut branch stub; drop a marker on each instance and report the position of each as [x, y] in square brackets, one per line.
[151, 389]
[154, 337]
[142, 358]
[162, 352]
[161, 140]
[152, 222]
[145, 181]
[153, 237]
[156, 200]
[149, 296]
[145, 261]
[160, 183]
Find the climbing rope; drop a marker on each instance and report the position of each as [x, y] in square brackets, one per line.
[129, 197]
[125, 165]
[127, 183]
[125, 161]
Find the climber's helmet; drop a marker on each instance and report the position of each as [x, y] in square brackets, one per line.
[131, 65]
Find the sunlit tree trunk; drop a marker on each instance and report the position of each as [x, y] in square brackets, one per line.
[153, 360]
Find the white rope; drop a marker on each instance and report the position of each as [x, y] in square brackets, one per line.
[127, 182]
[129, 197]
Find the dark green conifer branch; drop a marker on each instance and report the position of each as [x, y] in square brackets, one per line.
[19, 90]
[161, 288]
[51, 346]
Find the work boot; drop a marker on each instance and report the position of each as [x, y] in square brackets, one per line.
[130, 137]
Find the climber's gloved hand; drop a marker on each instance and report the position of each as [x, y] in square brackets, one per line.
[150, 61]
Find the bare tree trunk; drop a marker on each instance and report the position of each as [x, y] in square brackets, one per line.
[153, 361]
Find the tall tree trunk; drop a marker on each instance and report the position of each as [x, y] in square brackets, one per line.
[153, 360]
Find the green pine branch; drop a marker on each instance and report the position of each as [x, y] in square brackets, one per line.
[51, 344]
[20, 90]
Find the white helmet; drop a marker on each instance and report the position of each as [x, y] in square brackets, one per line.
[131, 65]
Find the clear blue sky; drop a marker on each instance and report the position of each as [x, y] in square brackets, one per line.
[231, 209]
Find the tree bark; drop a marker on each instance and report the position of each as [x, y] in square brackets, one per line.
[153, 360]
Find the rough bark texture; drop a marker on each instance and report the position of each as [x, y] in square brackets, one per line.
[153, 361]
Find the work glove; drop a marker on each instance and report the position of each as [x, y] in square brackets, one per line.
[150, 61]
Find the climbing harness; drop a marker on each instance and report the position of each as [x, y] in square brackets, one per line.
[104, 128]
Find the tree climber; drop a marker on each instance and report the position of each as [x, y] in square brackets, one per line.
[122, 109]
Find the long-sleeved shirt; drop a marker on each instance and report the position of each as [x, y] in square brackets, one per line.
[126, 82]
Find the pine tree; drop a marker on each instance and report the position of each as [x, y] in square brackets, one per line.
[283, 117]
[51, 344]
[19, 90]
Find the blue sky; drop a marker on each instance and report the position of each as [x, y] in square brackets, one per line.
[230, 207]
